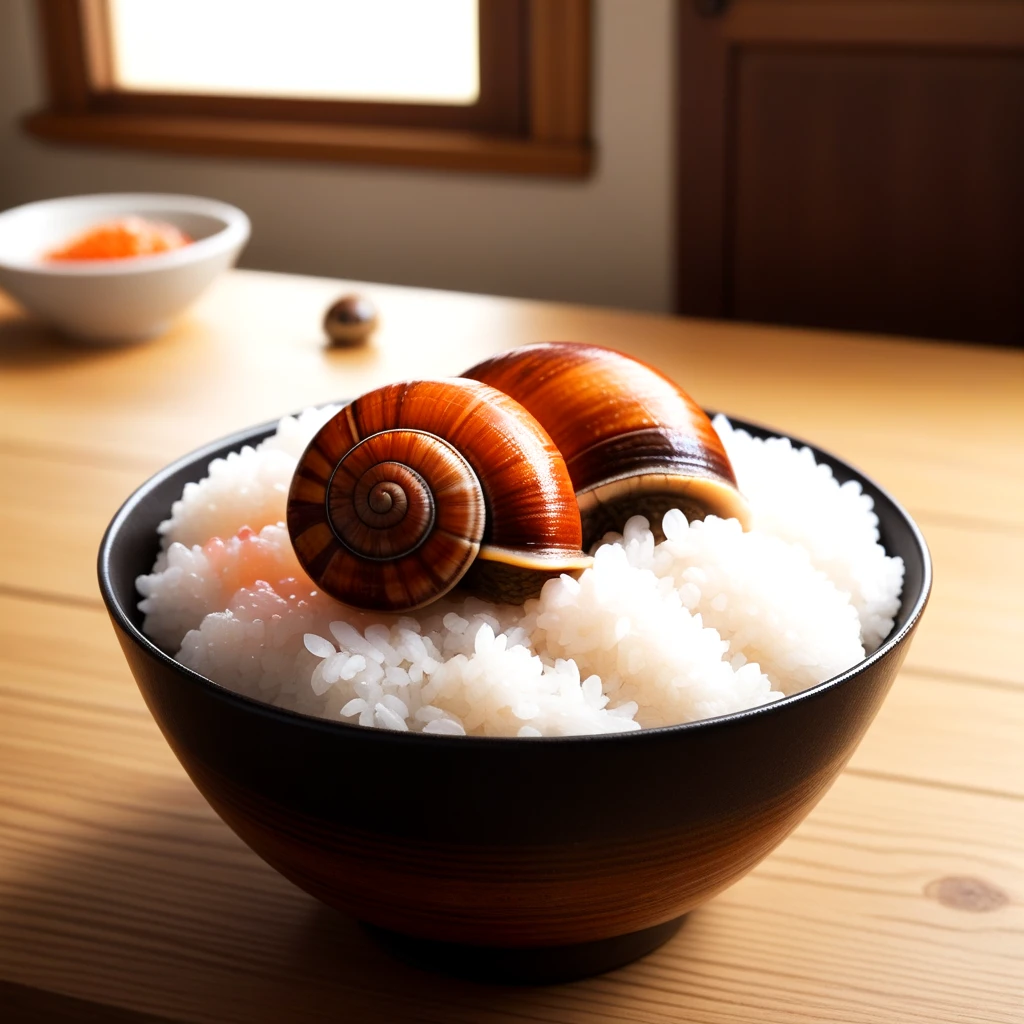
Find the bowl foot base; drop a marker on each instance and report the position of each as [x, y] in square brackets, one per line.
[542, 965]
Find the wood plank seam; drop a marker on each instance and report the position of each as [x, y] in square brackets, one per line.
[51, 597]
[869, 773]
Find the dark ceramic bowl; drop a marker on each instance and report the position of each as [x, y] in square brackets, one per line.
[535, 859]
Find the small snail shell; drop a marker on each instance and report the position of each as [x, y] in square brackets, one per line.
[351, 320]
[417, 485]
[633, 440]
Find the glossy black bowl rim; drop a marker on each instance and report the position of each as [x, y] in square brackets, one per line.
[251, 705]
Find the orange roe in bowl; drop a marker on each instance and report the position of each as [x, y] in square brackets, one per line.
[120, 239]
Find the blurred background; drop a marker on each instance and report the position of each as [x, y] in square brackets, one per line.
[856, 165]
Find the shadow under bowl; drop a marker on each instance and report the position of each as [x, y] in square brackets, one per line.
[513, 859]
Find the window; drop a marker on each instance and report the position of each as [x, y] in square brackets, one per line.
[487, 85]
[390, 50]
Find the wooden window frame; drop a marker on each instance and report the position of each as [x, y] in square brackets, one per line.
[533, 115]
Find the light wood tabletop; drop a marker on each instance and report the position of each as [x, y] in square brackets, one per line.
[122, 895]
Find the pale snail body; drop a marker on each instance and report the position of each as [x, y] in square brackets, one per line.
[417, 486]
[632, 439]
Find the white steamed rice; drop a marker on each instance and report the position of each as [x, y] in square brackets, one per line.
[709, 621]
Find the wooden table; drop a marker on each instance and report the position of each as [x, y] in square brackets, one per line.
[123, 897]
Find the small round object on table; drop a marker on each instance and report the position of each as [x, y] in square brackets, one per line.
[351, 320]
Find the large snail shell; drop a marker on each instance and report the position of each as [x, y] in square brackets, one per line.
[632, 439]
[415, 486]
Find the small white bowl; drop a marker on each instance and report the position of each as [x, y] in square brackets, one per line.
[117, 300]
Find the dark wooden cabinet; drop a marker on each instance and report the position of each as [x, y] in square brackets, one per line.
[856, 164]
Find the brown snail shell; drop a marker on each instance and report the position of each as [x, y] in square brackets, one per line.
[418, 485]
[633, 440]
[350, 320]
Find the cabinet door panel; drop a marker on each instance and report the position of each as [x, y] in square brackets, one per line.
[835, 172]
[880, 191]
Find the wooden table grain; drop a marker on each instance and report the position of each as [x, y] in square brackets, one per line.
[124, 898]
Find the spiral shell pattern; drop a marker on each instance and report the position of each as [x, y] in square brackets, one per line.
[404, 490]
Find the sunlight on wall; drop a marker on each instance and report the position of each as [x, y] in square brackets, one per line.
[394, 50]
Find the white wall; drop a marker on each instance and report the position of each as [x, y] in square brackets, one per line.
[605, 240]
